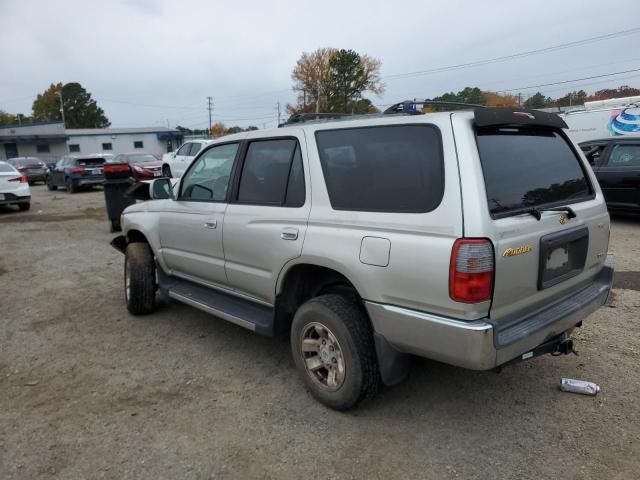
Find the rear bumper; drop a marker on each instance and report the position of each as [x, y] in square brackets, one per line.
[11, 199]
[480, 344]
[88, 181]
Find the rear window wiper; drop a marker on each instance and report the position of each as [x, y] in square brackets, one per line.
[537, 212]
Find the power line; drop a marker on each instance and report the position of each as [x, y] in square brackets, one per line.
[553, 48]
[568, 81]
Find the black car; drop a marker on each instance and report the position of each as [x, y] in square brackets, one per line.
[616, 163]
[77, 171]
[31, 167]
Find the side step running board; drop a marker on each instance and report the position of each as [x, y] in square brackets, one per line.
[245, 313]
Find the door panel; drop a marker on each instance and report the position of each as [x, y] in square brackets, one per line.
[191, 227]
[619, 177]
[266, 231]
[191, 240]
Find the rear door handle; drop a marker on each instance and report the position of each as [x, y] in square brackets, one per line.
[211, 224]
[289, 233]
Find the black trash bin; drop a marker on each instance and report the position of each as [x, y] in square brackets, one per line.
[117, 180]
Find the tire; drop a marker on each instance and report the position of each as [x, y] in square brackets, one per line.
[349, 337]
[24, 206]
[166, 171]
[71, 187]
[114, 226]
[139, 279]
[50, 185]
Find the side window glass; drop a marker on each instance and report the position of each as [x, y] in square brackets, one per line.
[208, 178]
[184, 150]
[60, 163]
[295, 187]
[593, 152]
[195, 148]
[625, 155]
[265, 173]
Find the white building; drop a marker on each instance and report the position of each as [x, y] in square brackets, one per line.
[45, 140]
[154, 140]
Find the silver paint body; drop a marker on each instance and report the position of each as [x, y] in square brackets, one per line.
[398, 262]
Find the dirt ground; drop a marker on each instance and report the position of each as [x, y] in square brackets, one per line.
[88, 391]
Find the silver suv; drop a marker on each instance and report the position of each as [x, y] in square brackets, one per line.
[475, 238]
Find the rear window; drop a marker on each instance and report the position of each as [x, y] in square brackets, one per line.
[525, 168]
[32, 162]
[4, 168]
[142, 158]
[396, 168]
[89, 162]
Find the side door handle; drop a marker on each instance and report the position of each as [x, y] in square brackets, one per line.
[289, 233]
[211, 224]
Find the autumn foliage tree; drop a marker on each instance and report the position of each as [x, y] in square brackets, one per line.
[332, 80]
[80, 110]
[607, 93]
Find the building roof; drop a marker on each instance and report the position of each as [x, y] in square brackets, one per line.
[120, 131]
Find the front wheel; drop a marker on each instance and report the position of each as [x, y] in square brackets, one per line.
[333, 348]
[24, 206]
[50, 185]
[71, 187]
[139, 279]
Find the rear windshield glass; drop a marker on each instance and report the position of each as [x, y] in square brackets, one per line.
[4, 168]
[525, 168]
[30, 162]
[90, 162]
[389, 169]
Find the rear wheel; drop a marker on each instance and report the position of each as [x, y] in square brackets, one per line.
[139, 279]
[50, 185]
[333, 348]
[24, 206]
[166, 171]
[71, 187]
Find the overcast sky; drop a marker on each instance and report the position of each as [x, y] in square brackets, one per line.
[147, 62]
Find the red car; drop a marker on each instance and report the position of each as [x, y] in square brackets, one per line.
[142, 166]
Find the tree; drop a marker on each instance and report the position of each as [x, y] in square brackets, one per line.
[334, 80]
[467, 95]
[607, 93]
[218, 129]
[493, 99]
[538, 100]
[572, 98]
[351, 74]
[80, 110]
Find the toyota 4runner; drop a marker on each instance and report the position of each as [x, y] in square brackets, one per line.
[476, 238]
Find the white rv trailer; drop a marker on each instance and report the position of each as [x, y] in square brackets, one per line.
[604, 119]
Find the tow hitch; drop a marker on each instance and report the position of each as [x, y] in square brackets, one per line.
[560, 345]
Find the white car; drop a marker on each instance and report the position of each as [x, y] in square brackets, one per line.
[175, 163]
[14, 187]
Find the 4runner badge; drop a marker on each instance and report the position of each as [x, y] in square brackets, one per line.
[512, 252]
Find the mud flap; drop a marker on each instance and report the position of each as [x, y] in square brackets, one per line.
[394, 365]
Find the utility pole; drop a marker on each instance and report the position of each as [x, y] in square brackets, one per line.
[19, 117]
[278, 108]
[318, 98]
[59, 94]
[519, 99]
[210, 106]
[304, 98]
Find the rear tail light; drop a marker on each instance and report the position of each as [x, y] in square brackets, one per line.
[116, 167]
[22, 179]
[77, 169]
[471, 270]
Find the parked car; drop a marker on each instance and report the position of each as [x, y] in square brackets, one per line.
[75, 172]
[14, 187]
[616, 163]
[175, 163]
[375, 238]
[33, 168]
[142, 166]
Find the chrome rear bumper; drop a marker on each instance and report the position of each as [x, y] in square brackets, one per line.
[481, 344]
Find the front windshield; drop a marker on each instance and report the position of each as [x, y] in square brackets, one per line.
[143, 158]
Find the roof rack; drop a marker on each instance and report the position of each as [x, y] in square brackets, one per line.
[409, 106]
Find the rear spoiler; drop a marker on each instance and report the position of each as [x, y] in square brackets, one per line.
[504, 117]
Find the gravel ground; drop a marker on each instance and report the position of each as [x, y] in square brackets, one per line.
[88, 391]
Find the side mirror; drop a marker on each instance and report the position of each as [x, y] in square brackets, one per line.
[161, 189]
